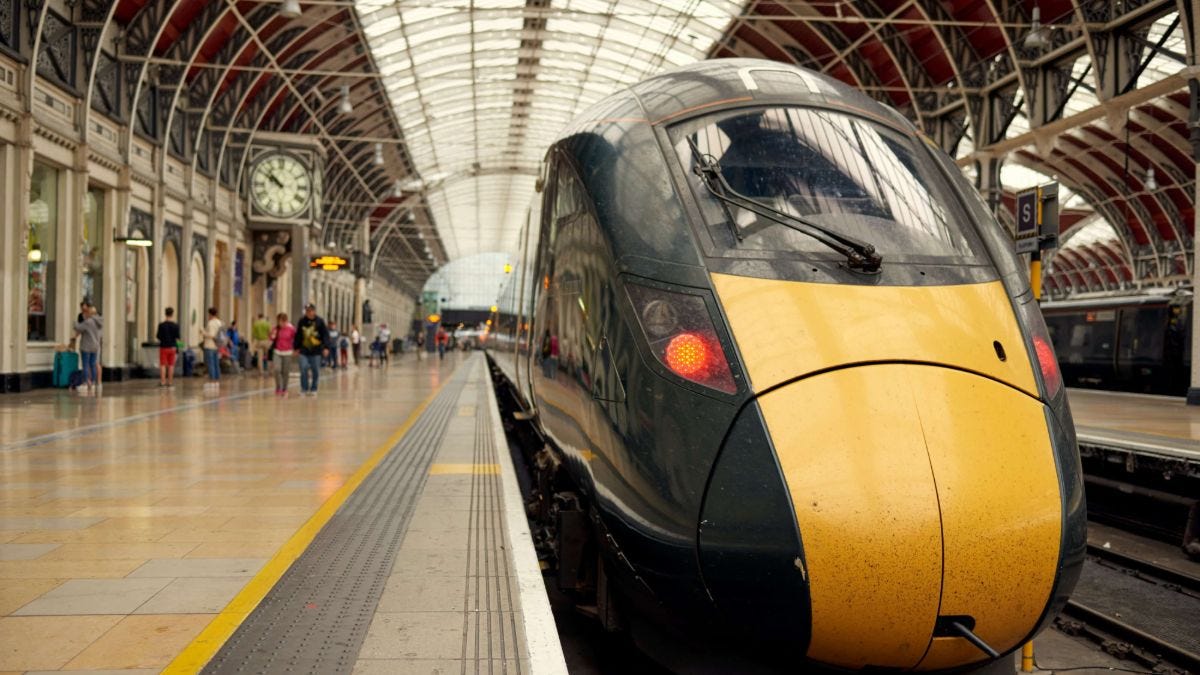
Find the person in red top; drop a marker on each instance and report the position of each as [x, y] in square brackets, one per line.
[442, 339]
[283, 345]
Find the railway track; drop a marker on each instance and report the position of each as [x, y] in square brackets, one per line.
[1137, 609]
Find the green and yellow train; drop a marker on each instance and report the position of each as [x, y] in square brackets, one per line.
[795, 375]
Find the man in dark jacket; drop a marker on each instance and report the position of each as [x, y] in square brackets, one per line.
[312, 336]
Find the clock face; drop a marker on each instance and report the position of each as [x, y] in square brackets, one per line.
[280, 185]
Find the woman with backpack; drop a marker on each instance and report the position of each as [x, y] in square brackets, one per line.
[214, 340]
[89, 330]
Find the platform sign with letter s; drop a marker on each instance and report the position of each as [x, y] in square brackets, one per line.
[1027, 221]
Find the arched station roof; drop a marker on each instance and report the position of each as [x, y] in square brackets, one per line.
[459, 98]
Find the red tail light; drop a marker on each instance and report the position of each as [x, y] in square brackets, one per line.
[1051, 375]
[682, 336]
[1030, 315]
[687, 354]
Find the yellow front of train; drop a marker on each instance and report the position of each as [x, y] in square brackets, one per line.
[918, 462]
[913, 401]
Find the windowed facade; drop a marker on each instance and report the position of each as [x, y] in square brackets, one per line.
[42, 253]
[92, 255]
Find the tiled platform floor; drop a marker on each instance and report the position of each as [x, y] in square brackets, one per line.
[129, 519]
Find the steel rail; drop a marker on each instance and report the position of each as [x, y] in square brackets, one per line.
[1181, 579]
[1172, 654]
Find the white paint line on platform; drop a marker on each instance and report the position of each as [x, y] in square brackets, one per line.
[541, 632]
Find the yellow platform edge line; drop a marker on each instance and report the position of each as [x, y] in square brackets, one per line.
[201, 649]
[463, 469]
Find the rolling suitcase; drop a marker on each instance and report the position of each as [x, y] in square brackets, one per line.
[65, 363]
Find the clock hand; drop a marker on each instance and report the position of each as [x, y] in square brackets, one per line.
[274, 180]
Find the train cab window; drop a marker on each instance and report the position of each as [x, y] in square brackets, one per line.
[839, 171]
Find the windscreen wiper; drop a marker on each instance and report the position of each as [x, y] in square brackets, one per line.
[860, 256]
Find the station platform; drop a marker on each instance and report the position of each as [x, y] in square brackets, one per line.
[375, 528]
[1156, 426]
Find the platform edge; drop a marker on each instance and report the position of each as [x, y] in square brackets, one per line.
[541, 632]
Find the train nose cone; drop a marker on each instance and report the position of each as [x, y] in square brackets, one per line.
[750, 553]
[918, 491]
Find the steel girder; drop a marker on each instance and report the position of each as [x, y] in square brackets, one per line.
[990, 85]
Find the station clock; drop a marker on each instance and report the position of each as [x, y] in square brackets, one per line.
[281, 185]
[282, 180]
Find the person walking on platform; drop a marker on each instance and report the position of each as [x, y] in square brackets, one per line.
[260, 341]
[89, 332]
[331, 345]
[384, 336]
[283, 344]
[443, 341]
[213, 336]
[235, 339]
[356, 343]
[168, 348]
[314, 336]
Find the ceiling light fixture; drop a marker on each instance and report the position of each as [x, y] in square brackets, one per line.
[290, 9]
[134, 241]
[345, 106]
[397, 189]
[379, 154]
[1151, 184]
[1038, 36]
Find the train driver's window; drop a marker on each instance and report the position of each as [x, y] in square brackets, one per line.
[851, 174]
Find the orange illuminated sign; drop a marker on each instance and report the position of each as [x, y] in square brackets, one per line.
[329, 263]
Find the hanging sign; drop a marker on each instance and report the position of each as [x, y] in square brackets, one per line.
[329, 263]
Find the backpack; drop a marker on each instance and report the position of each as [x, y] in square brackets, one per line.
[222, 339]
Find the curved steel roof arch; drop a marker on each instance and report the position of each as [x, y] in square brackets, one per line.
[465, 93]
[1004, 96]
[231, 69]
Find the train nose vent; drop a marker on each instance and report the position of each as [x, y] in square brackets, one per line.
[962, 626]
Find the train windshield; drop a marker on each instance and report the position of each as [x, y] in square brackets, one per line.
[839, 171]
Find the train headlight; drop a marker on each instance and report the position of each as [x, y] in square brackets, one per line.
[681, 334]
[659, 319]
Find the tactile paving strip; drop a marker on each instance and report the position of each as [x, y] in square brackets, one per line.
[491, 642]
[316, 617]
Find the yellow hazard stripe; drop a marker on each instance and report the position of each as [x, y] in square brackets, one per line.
[209, 641]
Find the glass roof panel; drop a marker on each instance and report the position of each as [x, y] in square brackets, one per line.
[1082, 89]
[1166, 61]
[454, 69]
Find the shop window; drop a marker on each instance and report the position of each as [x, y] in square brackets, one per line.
[92, 254]
[41, 253]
